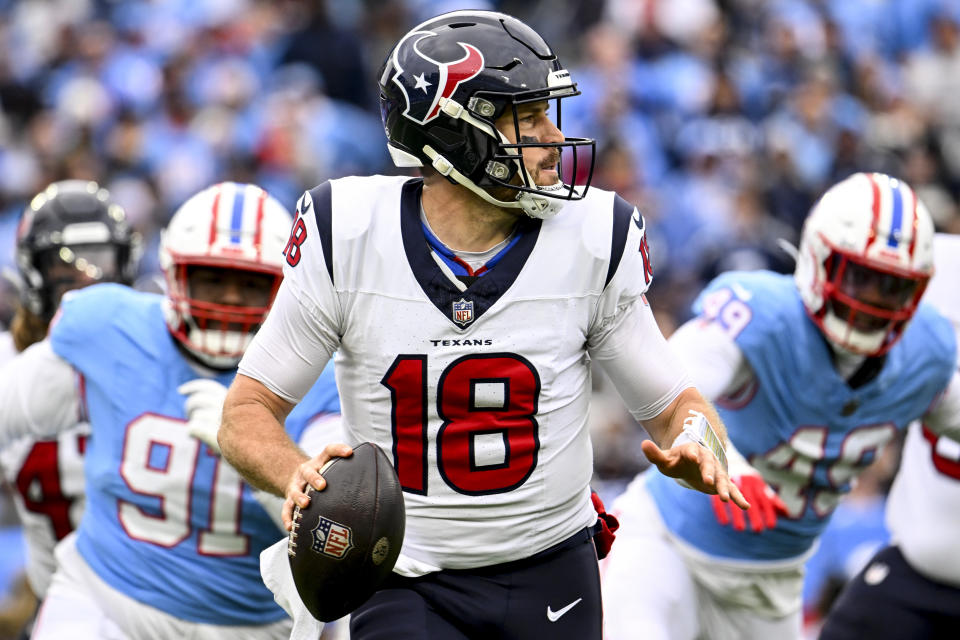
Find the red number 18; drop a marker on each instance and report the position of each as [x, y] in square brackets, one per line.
[488, 398]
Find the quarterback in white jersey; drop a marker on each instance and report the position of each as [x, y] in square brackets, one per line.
[911, 589]
[71, 235]
[464, 310]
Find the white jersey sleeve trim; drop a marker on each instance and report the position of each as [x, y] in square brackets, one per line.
[642, 366]
[292, 347]
[944, 417]
[714, 361]
[38, 393]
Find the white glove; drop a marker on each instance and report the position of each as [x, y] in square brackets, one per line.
[204, 407]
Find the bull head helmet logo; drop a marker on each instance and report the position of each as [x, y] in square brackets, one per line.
[424, 80]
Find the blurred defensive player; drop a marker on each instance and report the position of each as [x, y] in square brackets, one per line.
[70, 235]
[168, 545]
[911, 589]
[813, 375]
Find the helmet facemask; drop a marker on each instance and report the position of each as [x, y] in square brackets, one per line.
[64, 268]
[867, 305]
[865, 258]
[506, 169]
[218, 332]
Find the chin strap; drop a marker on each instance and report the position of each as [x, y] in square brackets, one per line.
[540, 207]
[535, 206]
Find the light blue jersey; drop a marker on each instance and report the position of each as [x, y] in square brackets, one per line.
[800, 424]
[167, 522]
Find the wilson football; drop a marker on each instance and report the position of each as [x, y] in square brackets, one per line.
[345, 542]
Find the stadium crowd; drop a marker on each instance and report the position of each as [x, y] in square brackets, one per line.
[721, 119]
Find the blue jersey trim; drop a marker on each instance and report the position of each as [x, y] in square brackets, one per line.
[484, 292]
[456, 264]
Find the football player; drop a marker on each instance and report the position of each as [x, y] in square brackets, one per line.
[911, 589]
[169, 543]
[813, 375]
[465, 309]
[70, 235]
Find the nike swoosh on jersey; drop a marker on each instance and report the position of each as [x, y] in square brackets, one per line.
[553, 616]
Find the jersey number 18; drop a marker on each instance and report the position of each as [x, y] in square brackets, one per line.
[488, 440]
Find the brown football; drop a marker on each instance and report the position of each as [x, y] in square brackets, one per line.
[345, 542]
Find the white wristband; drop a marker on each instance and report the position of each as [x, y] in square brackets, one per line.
[696, 428]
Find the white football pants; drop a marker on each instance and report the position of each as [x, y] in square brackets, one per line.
[652, 591]
[81, 606]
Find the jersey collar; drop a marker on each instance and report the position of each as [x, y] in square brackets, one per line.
[462, 308]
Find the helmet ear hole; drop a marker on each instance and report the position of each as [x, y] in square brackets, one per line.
[448, 140]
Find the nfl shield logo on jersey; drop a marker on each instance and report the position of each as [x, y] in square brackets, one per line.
[332, 538]
[463, 312]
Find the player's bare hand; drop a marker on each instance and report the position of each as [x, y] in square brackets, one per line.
[766, 505]
[696, 466]
[308, 473]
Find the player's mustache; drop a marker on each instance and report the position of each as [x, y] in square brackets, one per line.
[550, 162]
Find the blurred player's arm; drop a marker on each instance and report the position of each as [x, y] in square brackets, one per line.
[712, 358]
[38, 394]
[943, 418]
[688, 437]
[719, 368]
[288, 353]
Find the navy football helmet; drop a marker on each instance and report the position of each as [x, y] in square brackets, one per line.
[72, 235]
[445, 84]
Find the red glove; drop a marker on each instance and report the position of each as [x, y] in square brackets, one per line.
[765, 504]
[604, 538]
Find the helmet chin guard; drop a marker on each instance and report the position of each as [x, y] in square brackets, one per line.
[865, 258]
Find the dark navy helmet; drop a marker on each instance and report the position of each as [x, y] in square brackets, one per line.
[71, 235]
[445, 84]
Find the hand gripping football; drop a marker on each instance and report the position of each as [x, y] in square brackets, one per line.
[344, 544]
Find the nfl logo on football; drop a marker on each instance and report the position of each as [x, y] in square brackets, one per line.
[332, 538]
[463, 312]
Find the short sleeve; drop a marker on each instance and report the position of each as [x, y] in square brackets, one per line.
[303, 327]
[629, 271]
[38, 393]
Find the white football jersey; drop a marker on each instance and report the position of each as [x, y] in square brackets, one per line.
[923, 510]
[480, 395]
[47, 479]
